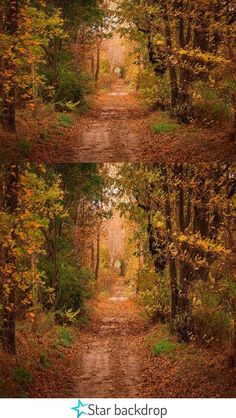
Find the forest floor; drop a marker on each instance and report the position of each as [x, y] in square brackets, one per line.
[117, 128]
[112, 357]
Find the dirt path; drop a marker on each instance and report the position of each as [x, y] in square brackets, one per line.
[116, 129]
[112, 357]
[109, 132]
[111, 364]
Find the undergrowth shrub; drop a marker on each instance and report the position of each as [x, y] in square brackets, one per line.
[72, 84]
[64, 336]
[44, 361]
[43, 323]
[23, 375]
[44, 136]
[65, 120]
[212, 316]
[74, 287]
[24, 147]
[211, 106]
[154, 91]
[154, 293]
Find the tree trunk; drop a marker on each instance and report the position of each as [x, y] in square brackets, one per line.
[9, 98]
[54, 67]
[174, 293]
[92, 64]
[156, 57]
[184, 96]
[54, 255]
[92, 257]
[157, 246]
[172, 69]
[9, 324]
[139, 73]
[97, 255]
[97, 63]
[232, 134]
[51, 236]
[185, 269]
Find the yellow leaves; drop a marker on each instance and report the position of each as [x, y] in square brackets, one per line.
[36, 27]
[196, 60]
[160, 225]
[42, 168]
[203, 244]
[182, 238]
[7, 290]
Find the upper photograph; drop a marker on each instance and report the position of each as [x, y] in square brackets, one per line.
[118, 81]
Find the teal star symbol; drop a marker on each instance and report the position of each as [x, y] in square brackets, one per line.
[77, 408]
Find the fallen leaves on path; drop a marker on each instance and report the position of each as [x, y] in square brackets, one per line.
[116, 129]
[112, 357]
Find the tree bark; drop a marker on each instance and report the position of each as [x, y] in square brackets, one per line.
[9, 315]
[92, 257]
[51, 236]
[97, 63]
[174, 293]
[172, 70]
[183, 219]
[97, 255]
[9, 98]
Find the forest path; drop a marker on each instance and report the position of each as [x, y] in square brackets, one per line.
[111, 363]
[118, 129]
[112, 357]
[109, 132]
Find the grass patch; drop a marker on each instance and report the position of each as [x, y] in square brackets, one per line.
[164, 127]
[83, 320]
[65, 120]
[23, 147]
[164, 346]
[64, 337]
[22, 375]
[44, 136]
[44, 361]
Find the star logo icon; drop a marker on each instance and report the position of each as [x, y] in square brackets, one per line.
[78, 408]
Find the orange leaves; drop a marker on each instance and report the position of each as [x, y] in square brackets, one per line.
[30, 106]
[31, 316]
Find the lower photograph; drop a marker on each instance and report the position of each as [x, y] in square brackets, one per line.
[117, 281]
